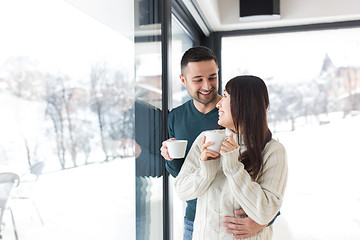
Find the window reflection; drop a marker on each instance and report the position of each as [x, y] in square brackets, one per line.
[148, 122]
[314, 81]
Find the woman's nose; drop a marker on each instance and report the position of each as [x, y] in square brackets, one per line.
[218, 104]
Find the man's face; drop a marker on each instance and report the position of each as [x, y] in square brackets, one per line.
[201, 81]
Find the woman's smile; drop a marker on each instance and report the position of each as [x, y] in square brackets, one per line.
[225, 117]
[220, 113]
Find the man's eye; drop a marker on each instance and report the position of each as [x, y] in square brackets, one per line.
[212, 78]
[197, 80]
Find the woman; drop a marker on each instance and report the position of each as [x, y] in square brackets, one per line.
[251, 175]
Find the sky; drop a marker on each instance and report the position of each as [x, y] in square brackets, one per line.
[59, 37]
[290, 57]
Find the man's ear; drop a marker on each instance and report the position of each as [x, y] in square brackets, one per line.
[182, 78]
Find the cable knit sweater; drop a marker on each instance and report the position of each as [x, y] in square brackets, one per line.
[223, 185]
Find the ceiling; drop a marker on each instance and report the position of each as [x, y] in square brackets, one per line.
[223, 15]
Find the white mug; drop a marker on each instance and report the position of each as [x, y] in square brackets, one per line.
[176, 148]
[217, 138]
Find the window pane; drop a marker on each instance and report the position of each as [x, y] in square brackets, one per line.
[313, 80]
[179, 95]
[148, 122]
[67, 125]
[180, 43]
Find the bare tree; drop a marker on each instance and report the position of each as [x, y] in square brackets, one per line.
[54, 111]
[111, 100]
[97, 79]
[22, 78]
[65, 106]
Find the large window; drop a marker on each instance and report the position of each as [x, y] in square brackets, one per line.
[313, 79]
[67, 121]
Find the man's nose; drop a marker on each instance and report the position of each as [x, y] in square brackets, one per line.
[206, 85]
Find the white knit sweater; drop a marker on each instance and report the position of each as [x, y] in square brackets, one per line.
[223, 185]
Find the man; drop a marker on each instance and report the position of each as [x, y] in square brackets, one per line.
[199, 75]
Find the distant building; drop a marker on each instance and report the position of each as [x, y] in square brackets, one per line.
[341, 85]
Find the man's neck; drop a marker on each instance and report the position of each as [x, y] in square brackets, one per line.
[205, 108]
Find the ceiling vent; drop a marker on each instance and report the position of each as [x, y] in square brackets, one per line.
[259, 10]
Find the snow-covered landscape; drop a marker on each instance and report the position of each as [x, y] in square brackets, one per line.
[92, 202]
[322, 199]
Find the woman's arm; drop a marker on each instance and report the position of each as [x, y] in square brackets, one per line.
[260, 200]
[195, 176]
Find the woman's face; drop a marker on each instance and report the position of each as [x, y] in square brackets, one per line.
[225, 117]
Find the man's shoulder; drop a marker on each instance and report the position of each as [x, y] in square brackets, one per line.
[181, 108]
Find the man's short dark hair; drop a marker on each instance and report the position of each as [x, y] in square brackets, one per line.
[197, 54]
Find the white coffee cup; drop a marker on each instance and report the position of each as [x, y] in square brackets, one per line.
[217, 138]
[176, 148]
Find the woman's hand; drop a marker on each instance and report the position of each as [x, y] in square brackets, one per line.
[207, 154]
[228, 145]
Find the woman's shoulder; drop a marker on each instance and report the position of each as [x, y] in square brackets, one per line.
[274, 146]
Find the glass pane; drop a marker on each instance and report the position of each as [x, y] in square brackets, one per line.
[148, 122]
[67, 125]
[314, 81]
[179, 95]
[180, 43]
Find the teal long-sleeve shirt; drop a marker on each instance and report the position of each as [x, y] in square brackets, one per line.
[186, 123]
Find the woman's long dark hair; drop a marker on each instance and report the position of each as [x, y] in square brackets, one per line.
[249, 101]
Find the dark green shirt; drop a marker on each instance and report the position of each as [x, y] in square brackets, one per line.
[186, 123]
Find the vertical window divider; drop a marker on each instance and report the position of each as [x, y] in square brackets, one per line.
[165, 7]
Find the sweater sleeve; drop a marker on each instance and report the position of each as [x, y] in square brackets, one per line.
[260, 200]
[195, 176]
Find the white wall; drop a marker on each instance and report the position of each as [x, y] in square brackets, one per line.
[112, 13]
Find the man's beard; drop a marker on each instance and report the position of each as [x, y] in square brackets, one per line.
[206, 101]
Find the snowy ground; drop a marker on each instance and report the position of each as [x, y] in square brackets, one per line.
[92, 202]
[322, 199]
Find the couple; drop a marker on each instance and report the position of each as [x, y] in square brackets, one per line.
[239, 191]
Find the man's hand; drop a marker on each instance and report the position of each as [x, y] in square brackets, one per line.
[241, 227]
[164, 150]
